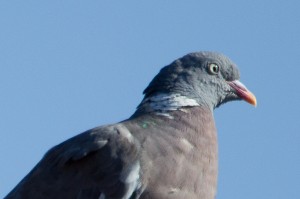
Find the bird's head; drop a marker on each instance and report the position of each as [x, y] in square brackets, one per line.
[209, 78]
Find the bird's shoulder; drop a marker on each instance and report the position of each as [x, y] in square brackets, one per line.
[106, 141]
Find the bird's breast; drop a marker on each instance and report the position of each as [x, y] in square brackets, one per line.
[179, 156]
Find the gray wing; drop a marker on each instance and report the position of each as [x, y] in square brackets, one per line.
[99, 163]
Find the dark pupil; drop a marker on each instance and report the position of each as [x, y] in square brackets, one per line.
[215, 69]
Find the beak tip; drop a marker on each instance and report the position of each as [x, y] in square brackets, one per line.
[249, 97]
[252, 99]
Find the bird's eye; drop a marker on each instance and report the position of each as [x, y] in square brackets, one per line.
[213, 68]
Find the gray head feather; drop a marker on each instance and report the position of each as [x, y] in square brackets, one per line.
[190, 77]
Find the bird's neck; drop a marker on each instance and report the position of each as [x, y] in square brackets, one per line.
[162, 104]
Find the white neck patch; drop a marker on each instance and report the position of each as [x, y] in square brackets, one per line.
[162, 103]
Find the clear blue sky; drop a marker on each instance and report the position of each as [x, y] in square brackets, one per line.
[67, 66]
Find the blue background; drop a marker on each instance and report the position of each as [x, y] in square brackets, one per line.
[67, 66]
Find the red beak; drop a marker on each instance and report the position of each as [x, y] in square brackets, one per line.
[243, 92]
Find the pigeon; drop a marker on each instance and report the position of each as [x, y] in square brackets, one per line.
[166, 149]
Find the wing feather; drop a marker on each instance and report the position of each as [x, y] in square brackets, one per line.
[90, 164]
